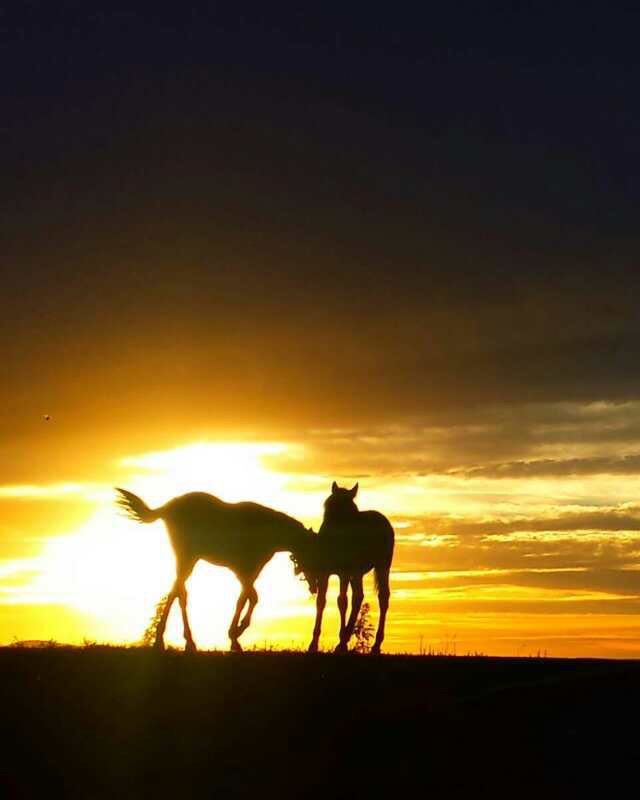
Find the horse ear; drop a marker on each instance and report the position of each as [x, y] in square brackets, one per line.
[354, 491]
[334, 488]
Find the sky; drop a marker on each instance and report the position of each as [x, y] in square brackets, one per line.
[252, 251]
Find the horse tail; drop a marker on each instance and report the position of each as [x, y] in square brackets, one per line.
[381, 574]
[380, 577]
[135, 508]
[381, 569]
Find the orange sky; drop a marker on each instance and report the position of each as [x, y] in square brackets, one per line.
[492, 564]
[405, 255]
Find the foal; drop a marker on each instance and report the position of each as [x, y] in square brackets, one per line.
[350, 544]
[240, 536]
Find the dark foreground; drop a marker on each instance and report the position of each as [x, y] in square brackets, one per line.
[106, 723]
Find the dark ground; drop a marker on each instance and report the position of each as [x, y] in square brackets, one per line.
[106, 722]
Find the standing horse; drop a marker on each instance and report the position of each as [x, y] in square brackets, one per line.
[350, 543]
[240, 536]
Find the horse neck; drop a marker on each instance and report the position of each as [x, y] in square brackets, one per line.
[291, 536]
[341, 521]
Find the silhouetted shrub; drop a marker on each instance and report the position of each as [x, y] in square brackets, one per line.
[363, 630]
[149, 636]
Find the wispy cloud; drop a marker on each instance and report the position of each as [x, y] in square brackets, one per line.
[551, 468]
[54, 491]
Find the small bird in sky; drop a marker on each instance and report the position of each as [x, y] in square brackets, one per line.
[46, 417]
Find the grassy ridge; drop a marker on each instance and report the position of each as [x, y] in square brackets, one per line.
[104, 722]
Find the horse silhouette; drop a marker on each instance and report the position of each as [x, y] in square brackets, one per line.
[349, 544]
[240, 536]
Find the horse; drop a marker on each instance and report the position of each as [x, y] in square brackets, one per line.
[241, 536]
[349, 544]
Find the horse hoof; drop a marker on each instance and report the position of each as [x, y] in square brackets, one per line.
[235, 647]
[313, 647]
[158, 647]
[190, 647]
[341, 649]
[375, 651]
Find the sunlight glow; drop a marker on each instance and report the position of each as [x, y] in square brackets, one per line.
[231, 471]
[115, 570]
[502, 565]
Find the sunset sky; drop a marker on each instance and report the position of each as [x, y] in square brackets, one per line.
[253, 253]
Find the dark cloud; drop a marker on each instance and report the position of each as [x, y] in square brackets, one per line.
[605, 580]
[590, 540]
[250, 232]
[551, 606]
[624, 519]
[561, 554]
[552, 468]
[488, 442]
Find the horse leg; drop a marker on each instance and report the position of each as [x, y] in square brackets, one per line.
[190, 645]
[357, 595]
[252, 596]
[162, 624]
[177, 590]
[321, 601]
[382, 581]
[343, 603]
[234, 627]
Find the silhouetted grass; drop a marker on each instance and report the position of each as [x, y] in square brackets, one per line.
[100, 722]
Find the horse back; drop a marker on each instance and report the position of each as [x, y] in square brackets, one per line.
[366, 538]
[378, 527]
[198, 510]
[203, 526]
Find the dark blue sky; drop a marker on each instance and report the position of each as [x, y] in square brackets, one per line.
[294, 207]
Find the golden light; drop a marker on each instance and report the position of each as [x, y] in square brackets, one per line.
[103, 578]
[233, 471]
[115, 570]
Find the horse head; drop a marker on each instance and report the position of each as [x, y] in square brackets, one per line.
[341, 503]
[305, 560]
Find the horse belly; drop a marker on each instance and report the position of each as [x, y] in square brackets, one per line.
[240, 553]
[358, 546]
[347, 555]
[216, 547]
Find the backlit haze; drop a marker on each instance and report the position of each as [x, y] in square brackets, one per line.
[510, 559]
[251, 257]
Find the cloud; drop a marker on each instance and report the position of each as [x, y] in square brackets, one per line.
[552, 468]
[54, 491]
[620, 520]
[596, 579]
[490, 441]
